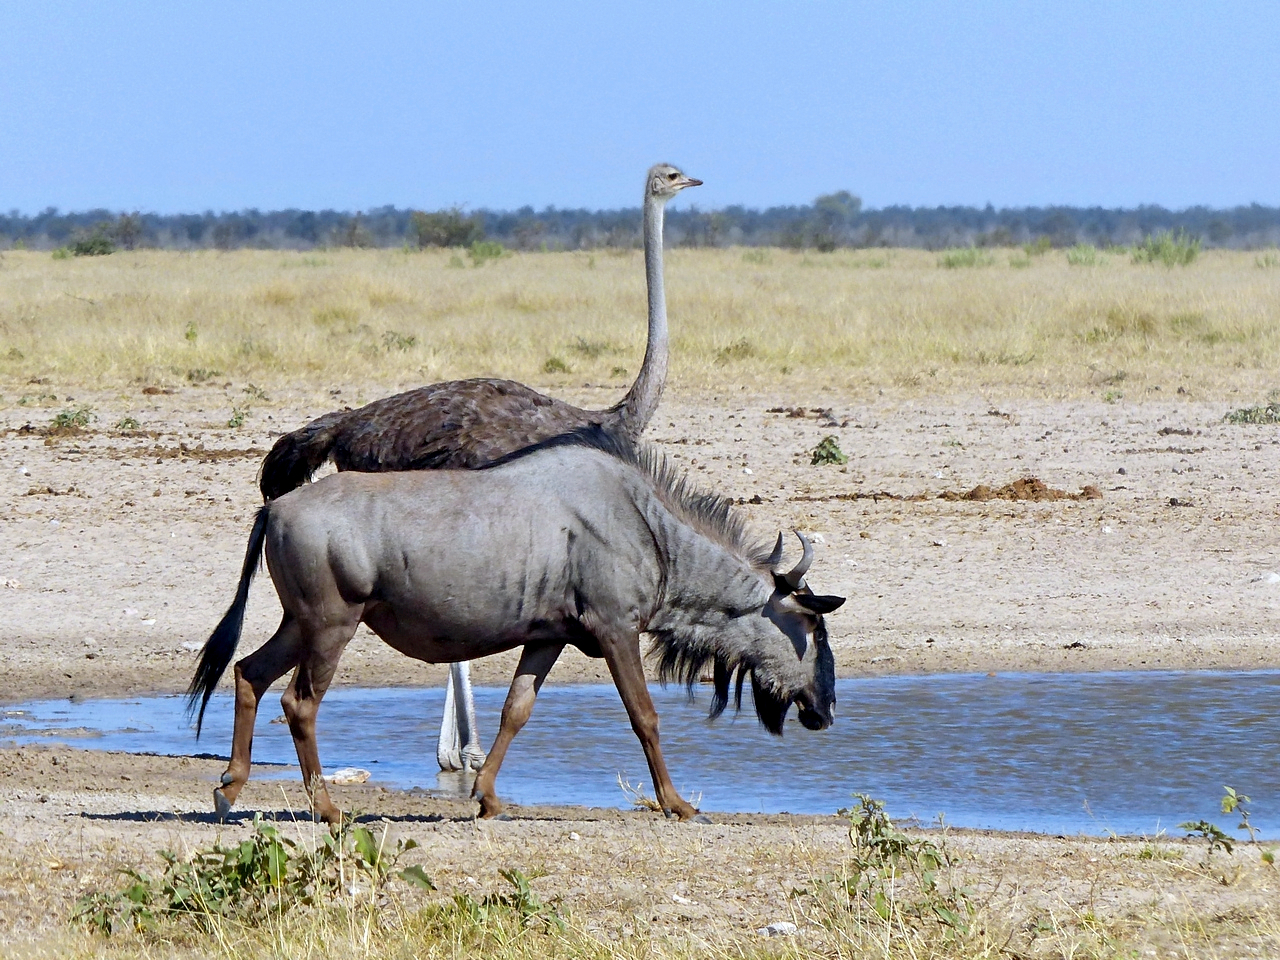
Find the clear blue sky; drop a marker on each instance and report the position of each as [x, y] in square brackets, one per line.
[185, 107]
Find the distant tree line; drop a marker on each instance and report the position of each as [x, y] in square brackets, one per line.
[831, 221]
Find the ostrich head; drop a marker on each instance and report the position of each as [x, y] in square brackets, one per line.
[665, 181]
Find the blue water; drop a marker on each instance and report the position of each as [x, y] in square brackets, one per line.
[1131, 753]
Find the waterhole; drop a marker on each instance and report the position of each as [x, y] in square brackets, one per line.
[1130, 753]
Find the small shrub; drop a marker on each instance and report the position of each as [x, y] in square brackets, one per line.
[190, 334]
[556, 365]
[521, 904]
[828, 451]
[1233, 802]
[1019, 263]
[905, 881]
[1267, 260]
[255, 880]
[483, 251]
[1210, 833]
[618, 372]
[965, 257]
[755, 256]
[62, 253]
[1083, 255]
[199, 375]
[446, 228]
[1171, 249]
[394, 340]
[72, 420]
[96, 243]
[1038, 248]
[1262, 413]
[455, 261]
[238, 416]
[127, 423]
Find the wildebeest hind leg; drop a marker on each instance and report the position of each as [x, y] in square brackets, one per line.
[254, 674]
[536, 662]
[301, 702]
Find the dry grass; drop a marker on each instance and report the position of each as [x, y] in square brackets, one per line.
[1165, 919]
[887, 317]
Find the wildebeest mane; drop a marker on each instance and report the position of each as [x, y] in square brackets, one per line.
[680, 662]
[710, 514]
[681, 659]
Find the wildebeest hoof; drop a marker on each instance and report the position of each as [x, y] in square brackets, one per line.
[221, 805]
[226, 778]
[700, 818]
[501, 817]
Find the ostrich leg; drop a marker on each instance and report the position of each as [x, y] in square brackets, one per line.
[459, 746]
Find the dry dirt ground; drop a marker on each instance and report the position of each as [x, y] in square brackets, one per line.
[119, 550]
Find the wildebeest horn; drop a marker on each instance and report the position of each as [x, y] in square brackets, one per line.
[775, 558]
[800, 569]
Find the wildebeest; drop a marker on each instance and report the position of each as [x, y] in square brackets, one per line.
[581, 540]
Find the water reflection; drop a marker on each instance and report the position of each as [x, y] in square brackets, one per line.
[1060, 753]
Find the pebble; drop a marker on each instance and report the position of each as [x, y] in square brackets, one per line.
[783, 928]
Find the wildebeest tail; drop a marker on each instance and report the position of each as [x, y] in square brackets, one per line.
[297, 455]
[221, 645]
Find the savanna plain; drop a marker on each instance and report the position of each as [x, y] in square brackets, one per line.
[139, 391]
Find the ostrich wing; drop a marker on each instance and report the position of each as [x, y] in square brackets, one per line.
[462, 423]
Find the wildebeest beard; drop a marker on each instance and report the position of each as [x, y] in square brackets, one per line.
[684, 665]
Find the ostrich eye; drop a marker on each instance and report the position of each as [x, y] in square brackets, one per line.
[672, 176]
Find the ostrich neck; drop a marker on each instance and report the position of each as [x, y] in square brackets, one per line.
[638, 407]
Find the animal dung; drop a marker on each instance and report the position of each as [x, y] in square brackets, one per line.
[1027, 488]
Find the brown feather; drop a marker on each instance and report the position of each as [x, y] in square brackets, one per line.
[458, 423]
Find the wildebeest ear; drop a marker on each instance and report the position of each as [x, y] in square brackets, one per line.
[782, 585]
[822, 604]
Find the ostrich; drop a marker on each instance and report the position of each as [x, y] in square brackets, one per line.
[470, 423]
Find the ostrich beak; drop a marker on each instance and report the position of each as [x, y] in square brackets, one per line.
[688, 182]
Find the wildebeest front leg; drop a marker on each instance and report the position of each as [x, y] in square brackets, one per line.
[536, 662]
[254, 674]
[623, 658]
